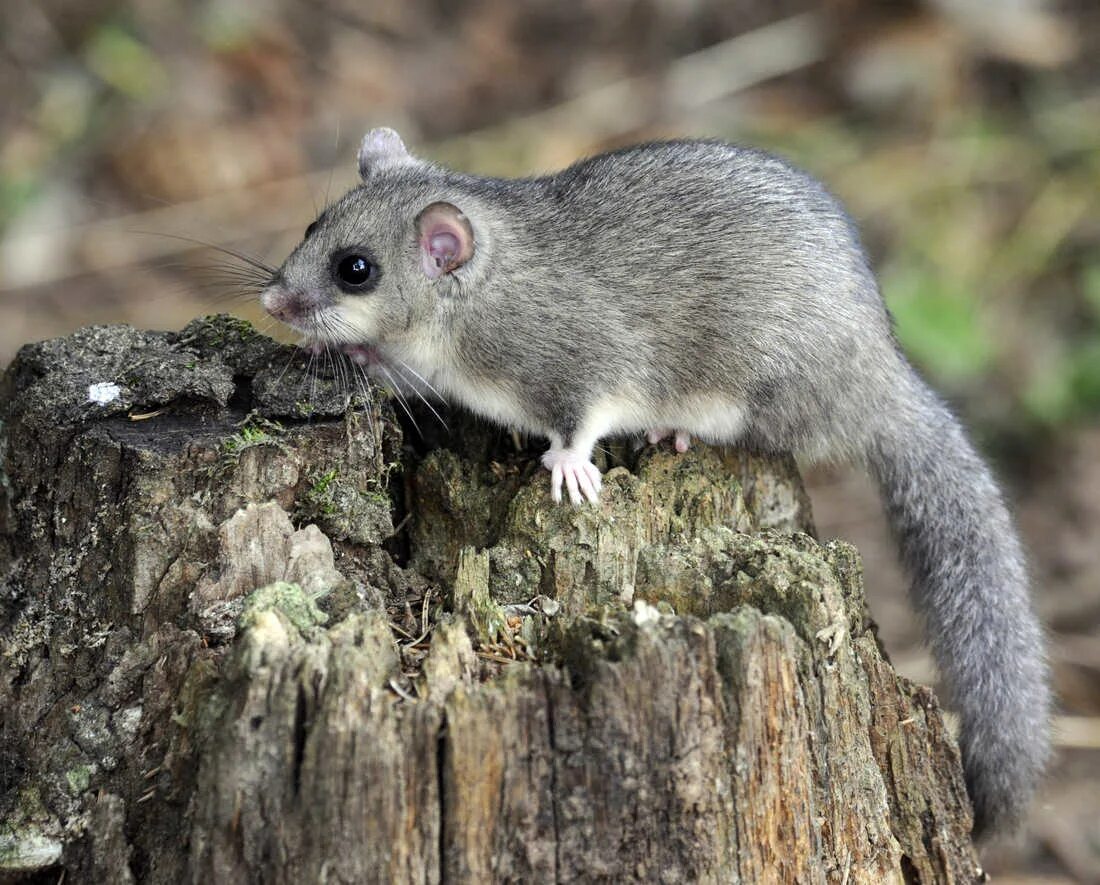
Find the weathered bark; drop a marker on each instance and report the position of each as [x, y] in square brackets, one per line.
[249, 634]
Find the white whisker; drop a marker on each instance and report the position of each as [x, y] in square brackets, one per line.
[401, 398]
[423, 399]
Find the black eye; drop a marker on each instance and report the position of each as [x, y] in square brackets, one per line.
[353, 272]
[309, 230]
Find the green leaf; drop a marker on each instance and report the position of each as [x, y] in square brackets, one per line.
[127, 65]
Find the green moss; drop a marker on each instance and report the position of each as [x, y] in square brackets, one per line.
[79, 779]
[254, 431]
[31, 806]
[320, 496]
[321, 485]
[290, 599]
[343, 510]
[221, 329]
[243, 329]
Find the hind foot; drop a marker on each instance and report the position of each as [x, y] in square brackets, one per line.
[682, 440]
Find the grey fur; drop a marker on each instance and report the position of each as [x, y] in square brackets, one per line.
[716, 290]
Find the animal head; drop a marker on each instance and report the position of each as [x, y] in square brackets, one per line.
[386, 260]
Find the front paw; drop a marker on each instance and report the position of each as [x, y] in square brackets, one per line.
[580, 475]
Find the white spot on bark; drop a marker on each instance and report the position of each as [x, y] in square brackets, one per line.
[103, 392]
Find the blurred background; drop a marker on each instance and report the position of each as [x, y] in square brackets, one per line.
[963, 135]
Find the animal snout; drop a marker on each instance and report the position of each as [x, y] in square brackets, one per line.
[287, 305]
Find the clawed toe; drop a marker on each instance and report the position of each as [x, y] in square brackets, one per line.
[580, 477]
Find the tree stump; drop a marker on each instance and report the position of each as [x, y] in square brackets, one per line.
[253, 631]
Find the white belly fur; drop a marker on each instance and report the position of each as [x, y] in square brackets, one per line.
[492, 401]
[709, 417]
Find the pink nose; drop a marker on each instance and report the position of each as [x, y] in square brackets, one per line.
[280, 303]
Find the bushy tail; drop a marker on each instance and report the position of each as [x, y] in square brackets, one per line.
[970, 584]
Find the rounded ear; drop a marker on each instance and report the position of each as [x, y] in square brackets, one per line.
[446, 239]
[380, 148]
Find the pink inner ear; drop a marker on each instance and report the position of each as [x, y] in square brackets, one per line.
[443, 247]
[446, 240]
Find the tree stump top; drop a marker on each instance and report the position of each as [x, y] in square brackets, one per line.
[255, 627]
